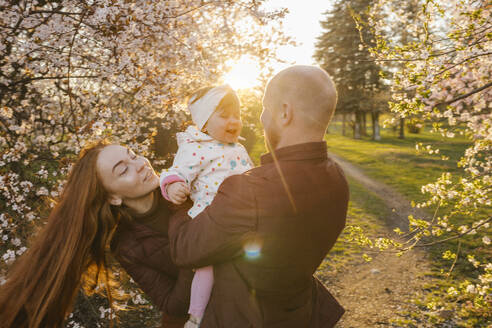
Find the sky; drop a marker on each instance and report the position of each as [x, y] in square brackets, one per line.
[302, 24]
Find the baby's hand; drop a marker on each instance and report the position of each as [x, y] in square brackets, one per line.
[177, 192]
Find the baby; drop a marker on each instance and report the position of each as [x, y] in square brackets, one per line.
[207, 154]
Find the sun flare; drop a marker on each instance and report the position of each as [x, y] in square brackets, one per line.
[243, 74]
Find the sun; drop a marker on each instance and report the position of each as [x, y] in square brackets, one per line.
[244, 73]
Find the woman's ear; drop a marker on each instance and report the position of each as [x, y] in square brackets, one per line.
[115, 200]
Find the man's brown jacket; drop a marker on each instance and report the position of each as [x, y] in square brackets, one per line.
[266, 233]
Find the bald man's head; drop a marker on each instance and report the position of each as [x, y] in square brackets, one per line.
[309, 89]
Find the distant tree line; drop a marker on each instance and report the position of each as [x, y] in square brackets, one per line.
[362, 82]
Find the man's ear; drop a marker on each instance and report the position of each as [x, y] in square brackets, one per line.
[286, 114]
[115, 200]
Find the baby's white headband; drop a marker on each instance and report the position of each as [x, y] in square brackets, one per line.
[203, 108]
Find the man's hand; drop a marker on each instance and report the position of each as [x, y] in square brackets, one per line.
[177, 192]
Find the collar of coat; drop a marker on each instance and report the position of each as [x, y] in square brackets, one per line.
[299, 152]
[192, 134]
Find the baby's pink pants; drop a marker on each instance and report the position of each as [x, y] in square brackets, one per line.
[201, 288]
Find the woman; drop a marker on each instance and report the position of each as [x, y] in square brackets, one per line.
[110, 199]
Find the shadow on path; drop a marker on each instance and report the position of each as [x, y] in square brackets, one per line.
[399, 205]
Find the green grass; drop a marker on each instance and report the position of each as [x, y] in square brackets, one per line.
[396, 162]
[365, 211]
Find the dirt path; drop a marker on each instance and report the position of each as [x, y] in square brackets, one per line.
[401, 207]
[373, 292]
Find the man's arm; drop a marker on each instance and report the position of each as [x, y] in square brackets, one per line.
[220, 232]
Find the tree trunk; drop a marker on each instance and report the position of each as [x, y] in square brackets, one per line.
[357, 125]
[344, 121]
[402, 128]
[376, 135]
[363, 130]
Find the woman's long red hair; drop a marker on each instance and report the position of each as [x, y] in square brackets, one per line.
[42, 284]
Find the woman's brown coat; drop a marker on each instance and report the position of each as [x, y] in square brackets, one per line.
[142, 248]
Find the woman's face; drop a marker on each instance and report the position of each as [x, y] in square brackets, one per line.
[126, 176]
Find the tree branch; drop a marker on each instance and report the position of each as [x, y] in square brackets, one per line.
[72, 112]
[463, 61]
[466, 95]
[453, 237]
[455, 259]
[54, 12]
[53, 78]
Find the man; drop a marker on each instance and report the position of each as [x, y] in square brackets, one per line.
[268, 230]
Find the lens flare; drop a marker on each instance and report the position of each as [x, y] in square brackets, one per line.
[252, 249]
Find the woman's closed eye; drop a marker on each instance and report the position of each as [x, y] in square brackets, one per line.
[133, 157]
[124, 171]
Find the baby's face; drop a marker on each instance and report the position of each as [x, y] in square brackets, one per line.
[225, 124]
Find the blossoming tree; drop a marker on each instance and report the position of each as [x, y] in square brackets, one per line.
[72, 71]
[445, 79]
